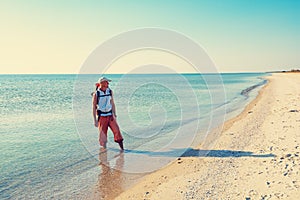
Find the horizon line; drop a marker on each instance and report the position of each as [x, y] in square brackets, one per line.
[233, 72]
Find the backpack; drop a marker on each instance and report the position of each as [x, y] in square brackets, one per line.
[99, 112]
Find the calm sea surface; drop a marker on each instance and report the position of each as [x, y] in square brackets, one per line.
[48, 142]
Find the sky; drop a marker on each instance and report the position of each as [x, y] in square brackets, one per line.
[57, 36]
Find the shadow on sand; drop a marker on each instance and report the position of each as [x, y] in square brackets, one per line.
[190, 152]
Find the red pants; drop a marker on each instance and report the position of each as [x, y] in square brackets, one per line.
[103, 124]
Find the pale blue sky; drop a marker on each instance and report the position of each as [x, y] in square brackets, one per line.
[239, 35]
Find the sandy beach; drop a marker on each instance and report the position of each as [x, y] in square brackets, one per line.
[255, 157]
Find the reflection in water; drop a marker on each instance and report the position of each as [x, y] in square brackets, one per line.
[110, 179]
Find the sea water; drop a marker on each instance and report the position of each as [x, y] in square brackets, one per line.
[48, 142]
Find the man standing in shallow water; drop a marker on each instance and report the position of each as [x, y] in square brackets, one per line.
[105, 110]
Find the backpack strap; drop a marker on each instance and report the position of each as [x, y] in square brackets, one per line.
[98, 96]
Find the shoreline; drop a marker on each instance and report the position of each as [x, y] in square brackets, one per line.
[207, 141]
[221, 170]
[229, 122]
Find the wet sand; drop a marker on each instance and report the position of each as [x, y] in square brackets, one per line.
[255, 157]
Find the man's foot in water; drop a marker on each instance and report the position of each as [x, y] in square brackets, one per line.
[121, 145]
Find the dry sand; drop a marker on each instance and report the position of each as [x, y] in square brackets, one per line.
[255, 157]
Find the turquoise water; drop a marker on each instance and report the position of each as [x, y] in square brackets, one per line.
[48, 141]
